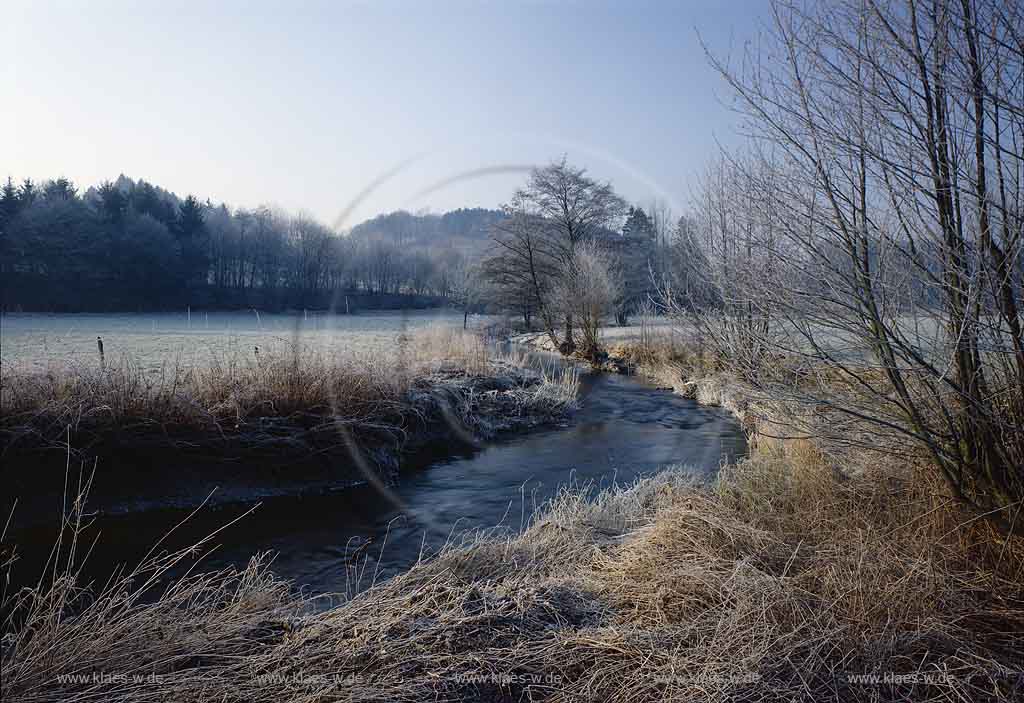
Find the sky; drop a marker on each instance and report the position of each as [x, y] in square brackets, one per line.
[347, 109]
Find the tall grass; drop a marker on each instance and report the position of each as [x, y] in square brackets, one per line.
[800, 575]
[284, 382]
[785, 581]
[136, 637]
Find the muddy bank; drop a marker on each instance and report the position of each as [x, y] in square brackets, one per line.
[152, 465]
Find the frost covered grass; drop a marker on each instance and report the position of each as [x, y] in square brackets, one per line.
[368, 393]
[799, 575]
[273, 381]
[785, 581]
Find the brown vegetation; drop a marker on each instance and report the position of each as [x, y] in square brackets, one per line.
[371, 391]
[870, 231]
[793, 578]
[290, 419]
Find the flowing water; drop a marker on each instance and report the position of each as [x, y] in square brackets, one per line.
[623, 428]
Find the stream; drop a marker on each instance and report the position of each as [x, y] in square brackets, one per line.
[624, 428]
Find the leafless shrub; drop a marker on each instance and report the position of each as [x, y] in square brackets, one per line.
[865, 250]
[586, 292]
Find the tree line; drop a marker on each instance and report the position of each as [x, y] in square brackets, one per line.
[130, 245]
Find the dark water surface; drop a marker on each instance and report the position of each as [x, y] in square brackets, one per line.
[623, 428]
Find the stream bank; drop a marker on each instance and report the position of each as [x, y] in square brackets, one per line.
[151, 465]
[623, 429]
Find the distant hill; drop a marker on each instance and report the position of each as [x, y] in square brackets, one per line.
[467, 229]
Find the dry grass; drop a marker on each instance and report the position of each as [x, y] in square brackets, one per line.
[288, 383]
[784, 582]
[792, 578]
[135, 625]
[274, 381]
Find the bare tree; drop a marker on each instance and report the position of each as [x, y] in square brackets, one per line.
[884, 260]
[559, 208]
[467, 288]
[587, 291]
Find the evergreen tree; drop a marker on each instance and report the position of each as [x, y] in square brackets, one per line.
[191, 219]
[113, 203]
[638, 225]
[27, 192]
[9, 205]
[60, 189]
[145, 199]
[190, 229]
[636, 263]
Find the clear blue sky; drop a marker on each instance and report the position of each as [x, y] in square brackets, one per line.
[306, 104]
